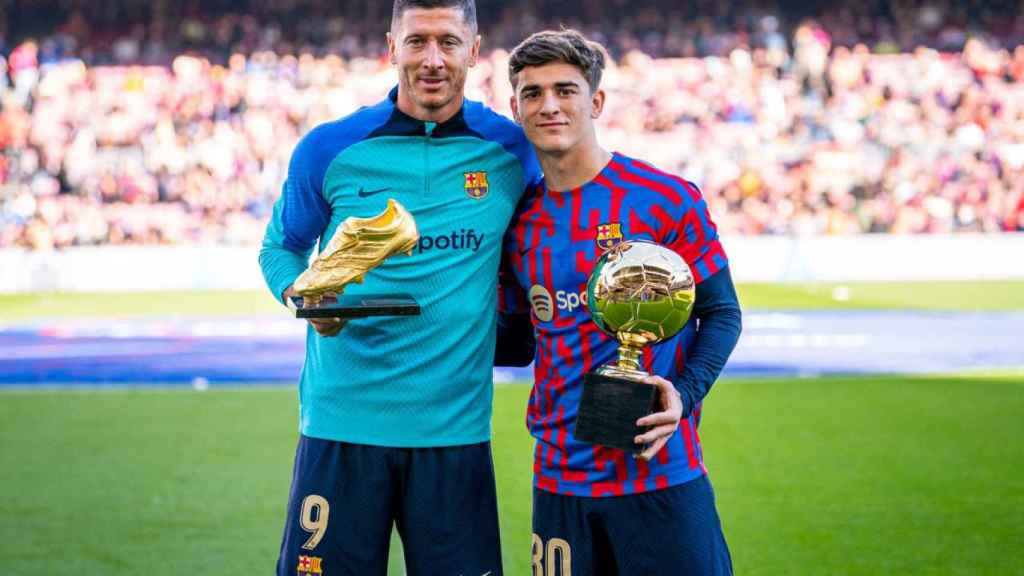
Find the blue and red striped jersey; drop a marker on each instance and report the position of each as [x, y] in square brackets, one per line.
[550, 251]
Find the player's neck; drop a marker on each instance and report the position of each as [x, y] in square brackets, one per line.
[437, 115]
[573, 168]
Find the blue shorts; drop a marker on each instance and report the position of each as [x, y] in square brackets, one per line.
[670, 531]
[345, 498]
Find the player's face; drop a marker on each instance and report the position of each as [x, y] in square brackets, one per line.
[433, 49]
[556, 108]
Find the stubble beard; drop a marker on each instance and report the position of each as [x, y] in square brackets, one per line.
[439, 100]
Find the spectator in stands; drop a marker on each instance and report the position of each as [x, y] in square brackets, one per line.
[820, 135]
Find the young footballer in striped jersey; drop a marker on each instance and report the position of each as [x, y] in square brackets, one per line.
[596, 510]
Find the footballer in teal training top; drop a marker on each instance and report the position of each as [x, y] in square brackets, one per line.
[405, 381]
[395, 412]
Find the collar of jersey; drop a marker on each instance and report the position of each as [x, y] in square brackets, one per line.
[607, 173]
[401, 124]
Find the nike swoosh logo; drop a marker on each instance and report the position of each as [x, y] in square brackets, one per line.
[363, 193]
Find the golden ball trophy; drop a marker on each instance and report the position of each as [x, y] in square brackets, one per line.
[641, 293]
[358, 246]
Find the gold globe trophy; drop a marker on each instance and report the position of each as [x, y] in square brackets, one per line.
[641, 293]
[358, 246]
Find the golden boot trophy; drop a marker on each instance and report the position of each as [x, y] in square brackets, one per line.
[358, 246]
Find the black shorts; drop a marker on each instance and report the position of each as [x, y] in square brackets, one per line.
[345, 498]
[670, 531]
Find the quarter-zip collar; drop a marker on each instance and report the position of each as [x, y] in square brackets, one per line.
[401, 124]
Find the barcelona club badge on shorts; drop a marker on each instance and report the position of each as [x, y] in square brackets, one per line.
[310, 566]
[609, 235]
[476, 184]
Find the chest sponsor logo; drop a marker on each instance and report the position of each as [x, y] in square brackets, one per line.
[540, 301]
[570, 301]
[609, 235]
[476, 184]
[462, 239]
[543, 304]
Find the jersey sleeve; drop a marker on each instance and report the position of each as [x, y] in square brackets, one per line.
[511, 296]
[300, 216]
[695, 236]
[516, 342]
[721, 322]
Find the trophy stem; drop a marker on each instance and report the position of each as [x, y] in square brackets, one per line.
[629, 358]
[631, 347]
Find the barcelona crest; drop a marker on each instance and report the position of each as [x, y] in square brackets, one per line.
[310, 566]
[476, 184]
[609, 235]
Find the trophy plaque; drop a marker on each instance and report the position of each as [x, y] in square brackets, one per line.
[641, 293]
[358, 246]
[352, 306]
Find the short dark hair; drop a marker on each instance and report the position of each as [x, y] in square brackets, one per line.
[468, 8]
[567, 46]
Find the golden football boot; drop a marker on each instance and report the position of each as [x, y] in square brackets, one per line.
[358, 246]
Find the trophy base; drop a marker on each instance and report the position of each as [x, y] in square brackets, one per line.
[357, 306]
[608, 411]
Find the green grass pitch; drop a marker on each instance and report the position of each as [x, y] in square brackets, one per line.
[870, 475]
[818, 476]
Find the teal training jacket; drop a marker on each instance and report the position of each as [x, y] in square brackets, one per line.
[404, 381]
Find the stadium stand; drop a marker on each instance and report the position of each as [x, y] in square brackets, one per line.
[127, 122]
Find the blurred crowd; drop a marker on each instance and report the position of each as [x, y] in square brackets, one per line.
[899, 121]
[156, 31]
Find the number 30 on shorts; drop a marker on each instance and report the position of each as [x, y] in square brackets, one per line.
[554, 559]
